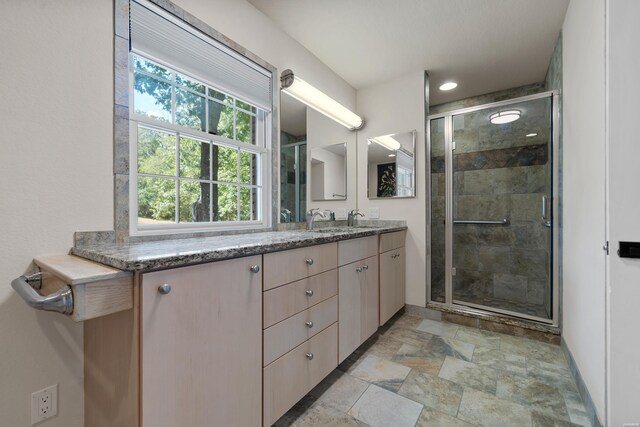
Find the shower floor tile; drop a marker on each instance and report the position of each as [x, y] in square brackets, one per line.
[429, 378]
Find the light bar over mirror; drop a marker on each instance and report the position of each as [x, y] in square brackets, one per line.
[316, 99]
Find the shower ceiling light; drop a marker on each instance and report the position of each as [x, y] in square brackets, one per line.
[529, 135]
[316, 99]
[392, 155]
[448, 86]
[387, 141]
[503, 117]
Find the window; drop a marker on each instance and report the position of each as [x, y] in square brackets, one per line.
[198, 152]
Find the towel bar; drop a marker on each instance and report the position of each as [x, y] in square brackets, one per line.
[60, 301]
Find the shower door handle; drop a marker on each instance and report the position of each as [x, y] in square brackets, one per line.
[545, 221]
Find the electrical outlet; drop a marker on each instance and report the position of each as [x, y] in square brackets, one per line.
[341, 213]
[44, 404]
[374, 213]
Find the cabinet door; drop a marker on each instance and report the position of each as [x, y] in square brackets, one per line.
[357, 304]
[392, 283]
[370, 299]
[201, 345]
[349, 319]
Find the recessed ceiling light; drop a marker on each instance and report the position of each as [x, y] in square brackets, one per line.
[392, 155]
[502, 117]
[448, 86]
[529, 135]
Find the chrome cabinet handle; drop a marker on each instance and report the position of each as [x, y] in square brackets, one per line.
[309, 324]
[359, 269]
[309, 261]
[309, 292]
[310, 356]
[254, 268]
[164, 289]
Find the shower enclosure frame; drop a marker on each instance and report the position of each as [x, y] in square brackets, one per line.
[449, 147]
[296, 147]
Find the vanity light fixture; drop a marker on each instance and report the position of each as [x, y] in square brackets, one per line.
[529, 135]
[502, 117]
[316, 99]
[387, 141]
[448, 86]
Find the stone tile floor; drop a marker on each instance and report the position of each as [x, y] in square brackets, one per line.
[420, 372]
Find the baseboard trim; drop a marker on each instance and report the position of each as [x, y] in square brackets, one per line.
[582, 387]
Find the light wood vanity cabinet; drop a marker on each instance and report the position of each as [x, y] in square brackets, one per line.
[358, 293]
[201, 345]
[392, 274]
[300, 324]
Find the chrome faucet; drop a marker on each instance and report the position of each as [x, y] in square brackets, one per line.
[352, 217]
[285, 214]
[311, 216]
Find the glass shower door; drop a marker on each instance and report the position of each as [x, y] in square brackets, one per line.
[500, 182]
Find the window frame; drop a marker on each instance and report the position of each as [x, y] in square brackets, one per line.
[262, 149]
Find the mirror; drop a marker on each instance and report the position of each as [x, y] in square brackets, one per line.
[328, 174]
[391, 165]
[293, 159]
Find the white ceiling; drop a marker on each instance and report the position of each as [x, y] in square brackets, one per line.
[484, 45]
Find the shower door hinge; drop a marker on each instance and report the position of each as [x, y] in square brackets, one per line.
[605, 247]
[453, 145]
[453, 271]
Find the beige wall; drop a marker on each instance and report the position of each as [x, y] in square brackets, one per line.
[583, 307]
[392, 107]
[56, 81]
[56, 177]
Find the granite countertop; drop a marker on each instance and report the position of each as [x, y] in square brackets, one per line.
[151, 255]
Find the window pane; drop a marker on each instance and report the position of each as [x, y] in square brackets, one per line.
[152, 97]
[220, 119]
[156, 152]
[156, 200]
[225, 99]
[245, 127]
[245, 106]
[194, 158]
[190, 83]
[248, 168]
[194, 201]
[144, 65]
[225, 203]
[190, 110]
[224, 164]
[248, 204]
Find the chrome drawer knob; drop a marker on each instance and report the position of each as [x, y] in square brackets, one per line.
[366, 267]
[164, 289]
[309, 292]
[309, 324]
[254, 268]
[310, 356]
[359, 269]
[309, 261]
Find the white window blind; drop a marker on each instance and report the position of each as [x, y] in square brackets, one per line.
[157, 34]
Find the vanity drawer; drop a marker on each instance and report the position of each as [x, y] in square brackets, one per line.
[295, 264]
[283, 336]
[290, 377]
[287, 300]
[389, 241]
[356, 249]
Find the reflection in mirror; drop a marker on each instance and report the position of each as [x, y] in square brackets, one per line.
[391, 165]
[329, 172]
[293, 159]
